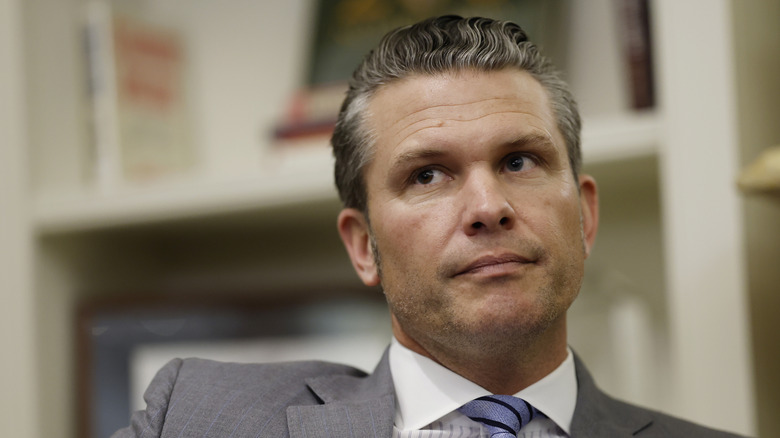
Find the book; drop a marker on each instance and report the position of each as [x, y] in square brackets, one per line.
[637, 47]
[139, 124]
[311, 112]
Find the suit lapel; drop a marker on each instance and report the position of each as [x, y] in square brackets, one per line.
[596, 414]
[365, 407]
[352, 406]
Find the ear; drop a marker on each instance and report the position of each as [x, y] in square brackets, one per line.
[353, 228]
[589, 204]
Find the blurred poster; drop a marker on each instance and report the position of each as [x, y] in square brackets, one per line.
[347, 29]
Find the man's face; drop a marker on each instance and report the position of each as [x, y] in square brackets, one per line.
[474, 210]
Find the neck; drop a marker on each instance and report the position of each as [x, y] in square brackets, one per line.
[502, 367]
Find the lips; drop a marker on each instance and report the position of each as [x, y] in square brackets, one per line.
[491, 264]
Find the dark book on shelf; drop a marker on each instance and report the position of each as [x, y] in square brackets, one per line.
[634, 18]
[311, 112]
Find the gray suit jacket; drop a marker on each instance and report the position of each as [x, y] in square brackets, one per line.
[200, 398]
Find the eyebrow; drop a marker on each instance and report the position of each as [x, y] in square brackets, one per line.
[415, 155]
[532, 138]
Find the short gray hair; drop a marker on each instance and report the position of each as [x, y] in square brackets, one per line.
[433, 46]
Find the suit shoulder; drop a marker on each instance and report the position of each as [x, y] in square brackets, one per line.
[205, 397]
[674, 426]
[665, 425]
[254, 374]
[599, 414]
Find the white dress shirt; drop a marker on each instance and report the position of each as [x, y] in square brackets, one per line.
[428, 396]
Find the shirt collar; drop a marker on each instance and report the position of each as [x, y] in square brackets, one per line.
[426, 391]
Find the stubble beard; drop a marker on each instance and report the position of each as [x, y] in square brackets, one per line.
[432, 319]
[449, 337]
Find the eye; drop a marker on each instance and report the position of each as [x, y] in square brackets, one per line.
[428, 176]
[517, 163]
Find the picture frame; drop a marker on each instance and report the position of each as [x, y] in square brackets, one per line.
[122, 341]
[345, 30]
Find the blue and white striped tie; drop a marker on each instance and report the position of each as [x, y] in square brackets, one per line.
[502, 415]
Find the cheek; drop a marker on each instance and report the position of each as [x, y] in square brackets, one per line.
[414, 237]
[561, 217]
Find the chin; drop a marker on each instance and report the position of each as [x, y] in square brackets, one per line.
[516, 308]
[521, 317]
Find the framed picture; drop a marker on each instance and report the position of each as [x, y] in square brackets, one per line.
[122, 342]
[345, 30]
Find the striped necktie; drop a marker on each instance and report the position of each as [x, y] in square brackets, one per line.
[502, 415]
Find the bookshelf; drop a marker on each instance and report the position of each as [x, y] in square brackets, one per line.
[655, 263]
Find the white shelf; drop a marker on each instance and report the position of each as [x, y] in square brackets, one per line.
[620, 136]
[294, 177]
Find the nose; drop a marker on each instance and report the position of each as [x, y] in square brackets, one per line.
[487, 207]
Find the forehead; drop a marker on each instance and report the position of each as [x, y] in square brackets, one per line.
[418, 104]
[458, 86]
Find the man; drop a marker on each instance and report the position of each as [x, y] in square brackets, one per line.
[457, 160]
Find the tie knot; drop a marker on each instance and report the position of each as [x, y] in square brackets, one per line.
[502, 415]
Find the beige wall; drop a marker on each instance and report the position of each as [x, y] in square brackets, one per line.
[757, 55]
[17, 401]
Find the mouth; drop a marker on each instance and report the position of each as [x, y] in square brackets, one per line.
[491, 265]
